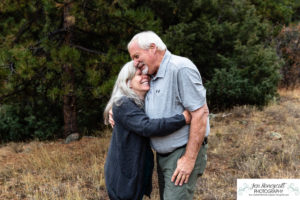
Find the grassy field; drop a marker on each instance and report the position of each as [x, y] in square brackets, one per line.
[244, 143]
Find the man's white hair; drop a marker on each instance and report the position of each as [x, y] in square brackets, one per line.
[146, 38]
[122, 88]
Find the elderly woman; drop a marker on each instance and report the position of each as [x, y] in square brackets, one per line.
[129, 162]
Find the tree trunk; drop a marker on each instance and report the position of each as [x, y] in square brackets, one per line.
[69, 98]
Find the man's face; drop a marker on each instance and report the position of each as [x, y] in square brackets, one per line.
[142, 58]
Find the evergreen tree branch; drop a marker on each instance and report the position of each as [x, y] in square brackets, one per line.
[87, 50]
[25, 84]
[56, 32]
[87, 32]
[123, 18]
[59, 2]
[27, 25]
[130, 23]
[63, 2]
[23, 29]
[2, 98]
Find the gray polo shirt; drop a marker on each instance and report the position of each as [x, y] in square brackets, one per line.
[176, 86]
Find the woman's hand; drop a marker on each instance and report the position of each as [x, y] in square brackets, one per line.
[187, 116]
[110, 118]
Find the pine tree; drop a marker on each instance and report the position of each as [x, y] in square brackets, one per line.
[60, 58]
[69, 98]
[231, 42]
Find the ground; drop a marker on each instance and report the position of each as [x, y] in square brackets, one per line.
[245, 142]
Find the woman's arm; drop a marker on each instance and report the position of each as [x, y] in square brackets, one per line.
[133, 118]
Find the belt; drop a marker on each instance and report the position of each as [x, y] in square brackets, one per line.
[205, 141]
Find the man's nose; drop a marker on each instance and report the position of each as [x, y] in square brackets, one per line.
[136, 63]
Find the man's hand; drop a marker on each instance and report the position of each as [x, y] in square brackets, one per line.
[110, 118]
[186, 163]
[183, 171]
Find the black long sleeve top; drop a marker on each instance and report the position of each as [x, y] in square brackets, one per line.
[129, 162]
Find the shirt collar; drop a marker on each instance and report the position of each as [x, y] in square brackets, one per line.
[163, 65]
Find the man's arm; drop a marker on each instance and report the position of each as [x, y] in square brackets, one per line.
[186, 163]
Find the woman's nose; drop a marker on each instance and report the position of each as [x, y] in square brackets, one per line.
[145, 76]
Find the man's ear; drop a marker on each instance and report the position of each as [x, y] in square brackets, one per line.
[153, 47]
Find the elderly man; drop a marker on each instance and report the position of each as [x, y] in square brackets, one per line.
[175, 85]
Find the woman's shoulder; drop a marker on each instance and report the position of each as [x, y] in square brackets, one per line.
[123, 103]
[124, 100]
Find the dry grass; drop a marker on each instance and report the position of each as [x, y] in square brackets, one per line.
[54, 170]
[244, 143]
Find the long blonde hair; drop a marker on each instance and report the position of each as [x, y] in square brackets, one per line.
[121, 89]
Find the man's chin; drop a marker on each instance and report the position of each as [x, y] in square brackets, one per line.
[145, 70]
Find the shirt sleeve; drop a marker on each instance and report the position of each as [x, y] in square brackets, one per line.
[134, 119]
[192, 93]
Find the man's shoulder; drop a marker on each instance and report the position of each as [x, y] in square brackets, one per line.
[180, 62]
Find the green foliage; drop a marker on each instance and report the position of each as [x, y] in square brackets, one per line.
[21, 122]
[231, 45]
[278, 11]
[296, 8]
[227, 86]
[33, 53]
[250, 77]
[230, 41]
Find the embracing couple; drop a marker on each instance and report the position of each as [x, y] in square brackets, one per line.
[158, 102]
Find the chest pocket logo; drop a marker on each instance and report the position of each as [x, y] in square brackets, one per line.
[159, 93]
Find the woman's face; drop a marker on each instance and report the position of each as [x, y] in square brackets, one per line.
[140, 83]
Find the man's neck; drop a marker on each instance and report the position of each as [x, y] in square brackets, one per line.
[160, 57]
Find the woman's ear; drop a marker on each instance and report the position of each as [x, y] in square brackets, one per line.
[129, 83]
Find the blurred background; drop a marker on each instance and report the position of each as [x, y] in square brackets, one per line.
[59, 59]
